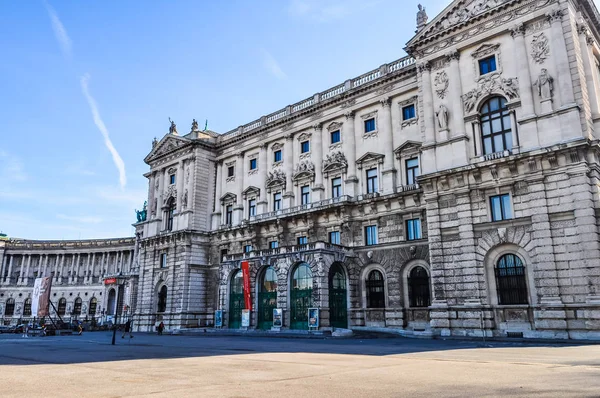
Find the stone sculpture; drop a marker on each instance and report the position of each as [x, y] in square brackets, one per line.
[421, 18]
[545, 85]
[173, 127]
[442, 117]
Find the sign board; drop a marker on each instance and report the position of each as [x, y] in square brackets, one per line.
[245, 318]
[110, 281]
[277, 317]
[40, 300]
[313, 317]
[219, 318]
[246, 275]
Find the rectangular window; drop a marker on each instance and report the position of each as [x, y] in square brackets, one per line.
[230, 171]
[501, 207]
[372, 181]
[408, 112]
[305, 195]
[223, 252]
[335, 137]
[334, 237]
[277, 201]
[172, 179]
[247, 248]
[252, 164]
[163, 260]
[371, 235]
[370, 125]
[413, 229]
[336, 187]
[412, 171]
[251, 207]
[277, 156]
[304, 146]
[487, 65]
[302, 240]
[273, 244]
[228, 214]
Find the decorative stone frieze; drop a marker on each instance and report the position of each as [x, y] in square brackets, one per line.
[540, 48]
[489, 84]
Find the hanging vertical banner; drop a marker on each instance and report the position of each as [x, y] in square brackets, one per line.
[41, 296]
[246, 276]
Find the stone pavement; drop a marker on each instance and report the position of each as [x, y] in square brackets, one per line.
[241, 366]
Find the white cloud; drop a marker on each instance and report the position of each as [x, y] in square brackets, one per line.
[117, 160]
[60, 32]
[272, 65]
[328, 10]
[80, 219]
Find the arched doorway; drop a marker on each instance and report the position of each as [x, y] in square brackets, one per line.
[236, 300]
[300, 296]
[62, 306]
[267, 298]
[110, 306]
[162, 300]
[418, 288]
[338, 307]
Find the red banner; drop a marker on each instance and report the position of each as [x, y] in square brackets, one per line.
[246, 276]
[110, 281]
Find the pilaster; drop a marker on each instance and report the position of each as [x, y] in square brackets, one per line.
[349, 145]
[318, 190]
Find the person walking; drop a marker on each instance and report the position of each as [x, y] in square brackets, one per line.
[25, 330]
[161, 327]
[79, 329]
[128, 329]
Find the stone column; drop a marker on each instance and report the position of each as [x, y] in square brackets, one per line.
[179, 184]
[318, 190]
[561, 60]
[10, 266]
[427, 103]
[216, 215]
[388, 172]
[21, 269]
[586, 43]
[59, 267]
[159, 204]
[25, 279]
[45, 265]
[262, 169]
[349, 147]
[151, 196]
[523, 72]
[288, 196]
[4, 265]
[455, 88]
[240, 172]
[72, 269]
[77, 266]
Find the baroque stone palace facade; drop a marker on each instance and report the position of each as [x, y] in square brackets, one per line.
[451, 192]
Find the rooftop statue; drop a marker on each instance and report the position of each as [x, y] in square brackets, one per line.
[154, 142]
[421, 18]
[141, 215]
[194, 125]
[173, 127]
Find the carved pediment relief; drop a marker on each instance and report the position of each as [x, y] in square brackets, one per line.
[369, 158]
[334, 126]
[168, 144]
[488, 85]
[251, 191]
[275, 178]
[334, 161]
[304, 136]
[170, 193]
[228, 197]
[277, 146]
[304, 169]
[485, 50]
[408, 148]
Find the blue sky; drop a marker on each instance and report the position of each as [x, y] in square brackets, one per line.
[73, 73]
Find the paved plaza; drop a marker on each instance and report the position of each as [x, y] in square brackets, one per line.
[240, 366]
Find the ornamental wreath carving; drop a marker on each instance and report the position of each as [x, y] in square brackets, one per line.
[334, 161]
[441, 84]
[488, 85]
[275, 177]
[540, 49]
[304, 169]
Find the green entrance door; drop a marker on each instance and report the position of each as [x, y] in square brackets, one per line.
[300, 297]
[338, 307]
[236, 301]
[267, 298]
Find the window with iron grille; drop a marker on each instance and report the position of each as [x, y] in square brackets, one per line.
[371, 235]
[375, 290]
[334, 237]
[372, 185]
[228, 214]
[336, 187]
[500, 207]
[510, 280]
[9, 310]
[413, 229]
[305, 194]
[418, 288]
[412, 171]
[27, 307]
[277, 201]
[496, 131]
[251, 207]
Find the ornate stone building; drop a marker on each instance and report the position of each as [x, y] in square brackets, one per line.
[451, 192]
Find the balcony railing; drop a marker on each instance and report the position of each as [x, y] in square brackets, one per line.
[495, 155]
[298, 209]
[283, 250]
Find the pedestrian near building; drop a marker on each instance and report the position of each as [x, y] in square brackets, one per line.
[161, 327]
[127, 330]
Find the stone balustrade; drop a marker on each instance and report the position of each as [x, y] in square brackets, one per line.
[283, 250]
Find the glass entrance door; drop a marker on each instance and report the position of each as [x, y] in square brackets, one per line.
[267, 299]
[300, 297]
[338, 307]
[236, 301]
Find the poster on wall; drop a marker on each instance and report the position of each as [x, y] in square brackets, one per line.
[218, 318]
[246, 277]
[245, 318]
[277, 317]
[40, 299]
[313, 317]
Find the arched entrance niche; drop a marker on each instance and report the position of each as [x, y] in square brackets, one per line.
[301, 285]
[236, 300]
[338, 293]
[267, 297]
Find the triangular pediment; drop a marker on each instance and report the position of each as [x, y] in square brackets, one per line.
[408, 146]
[168, 144]
[458, 13]
[228, 197]
[370, 157]
[250, 191]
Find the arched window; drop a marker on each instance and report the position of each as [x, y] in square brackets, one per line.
[110, 310]
[510, 280]
[300, 296]
[496, 134]
[171, 213]
[10, 307]
[93, 305]
[62, 306]
[77, 306]
[375, 290]
[27, 307]
[267, 298]
[418, 287]
[302, 278]
[162, 299]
